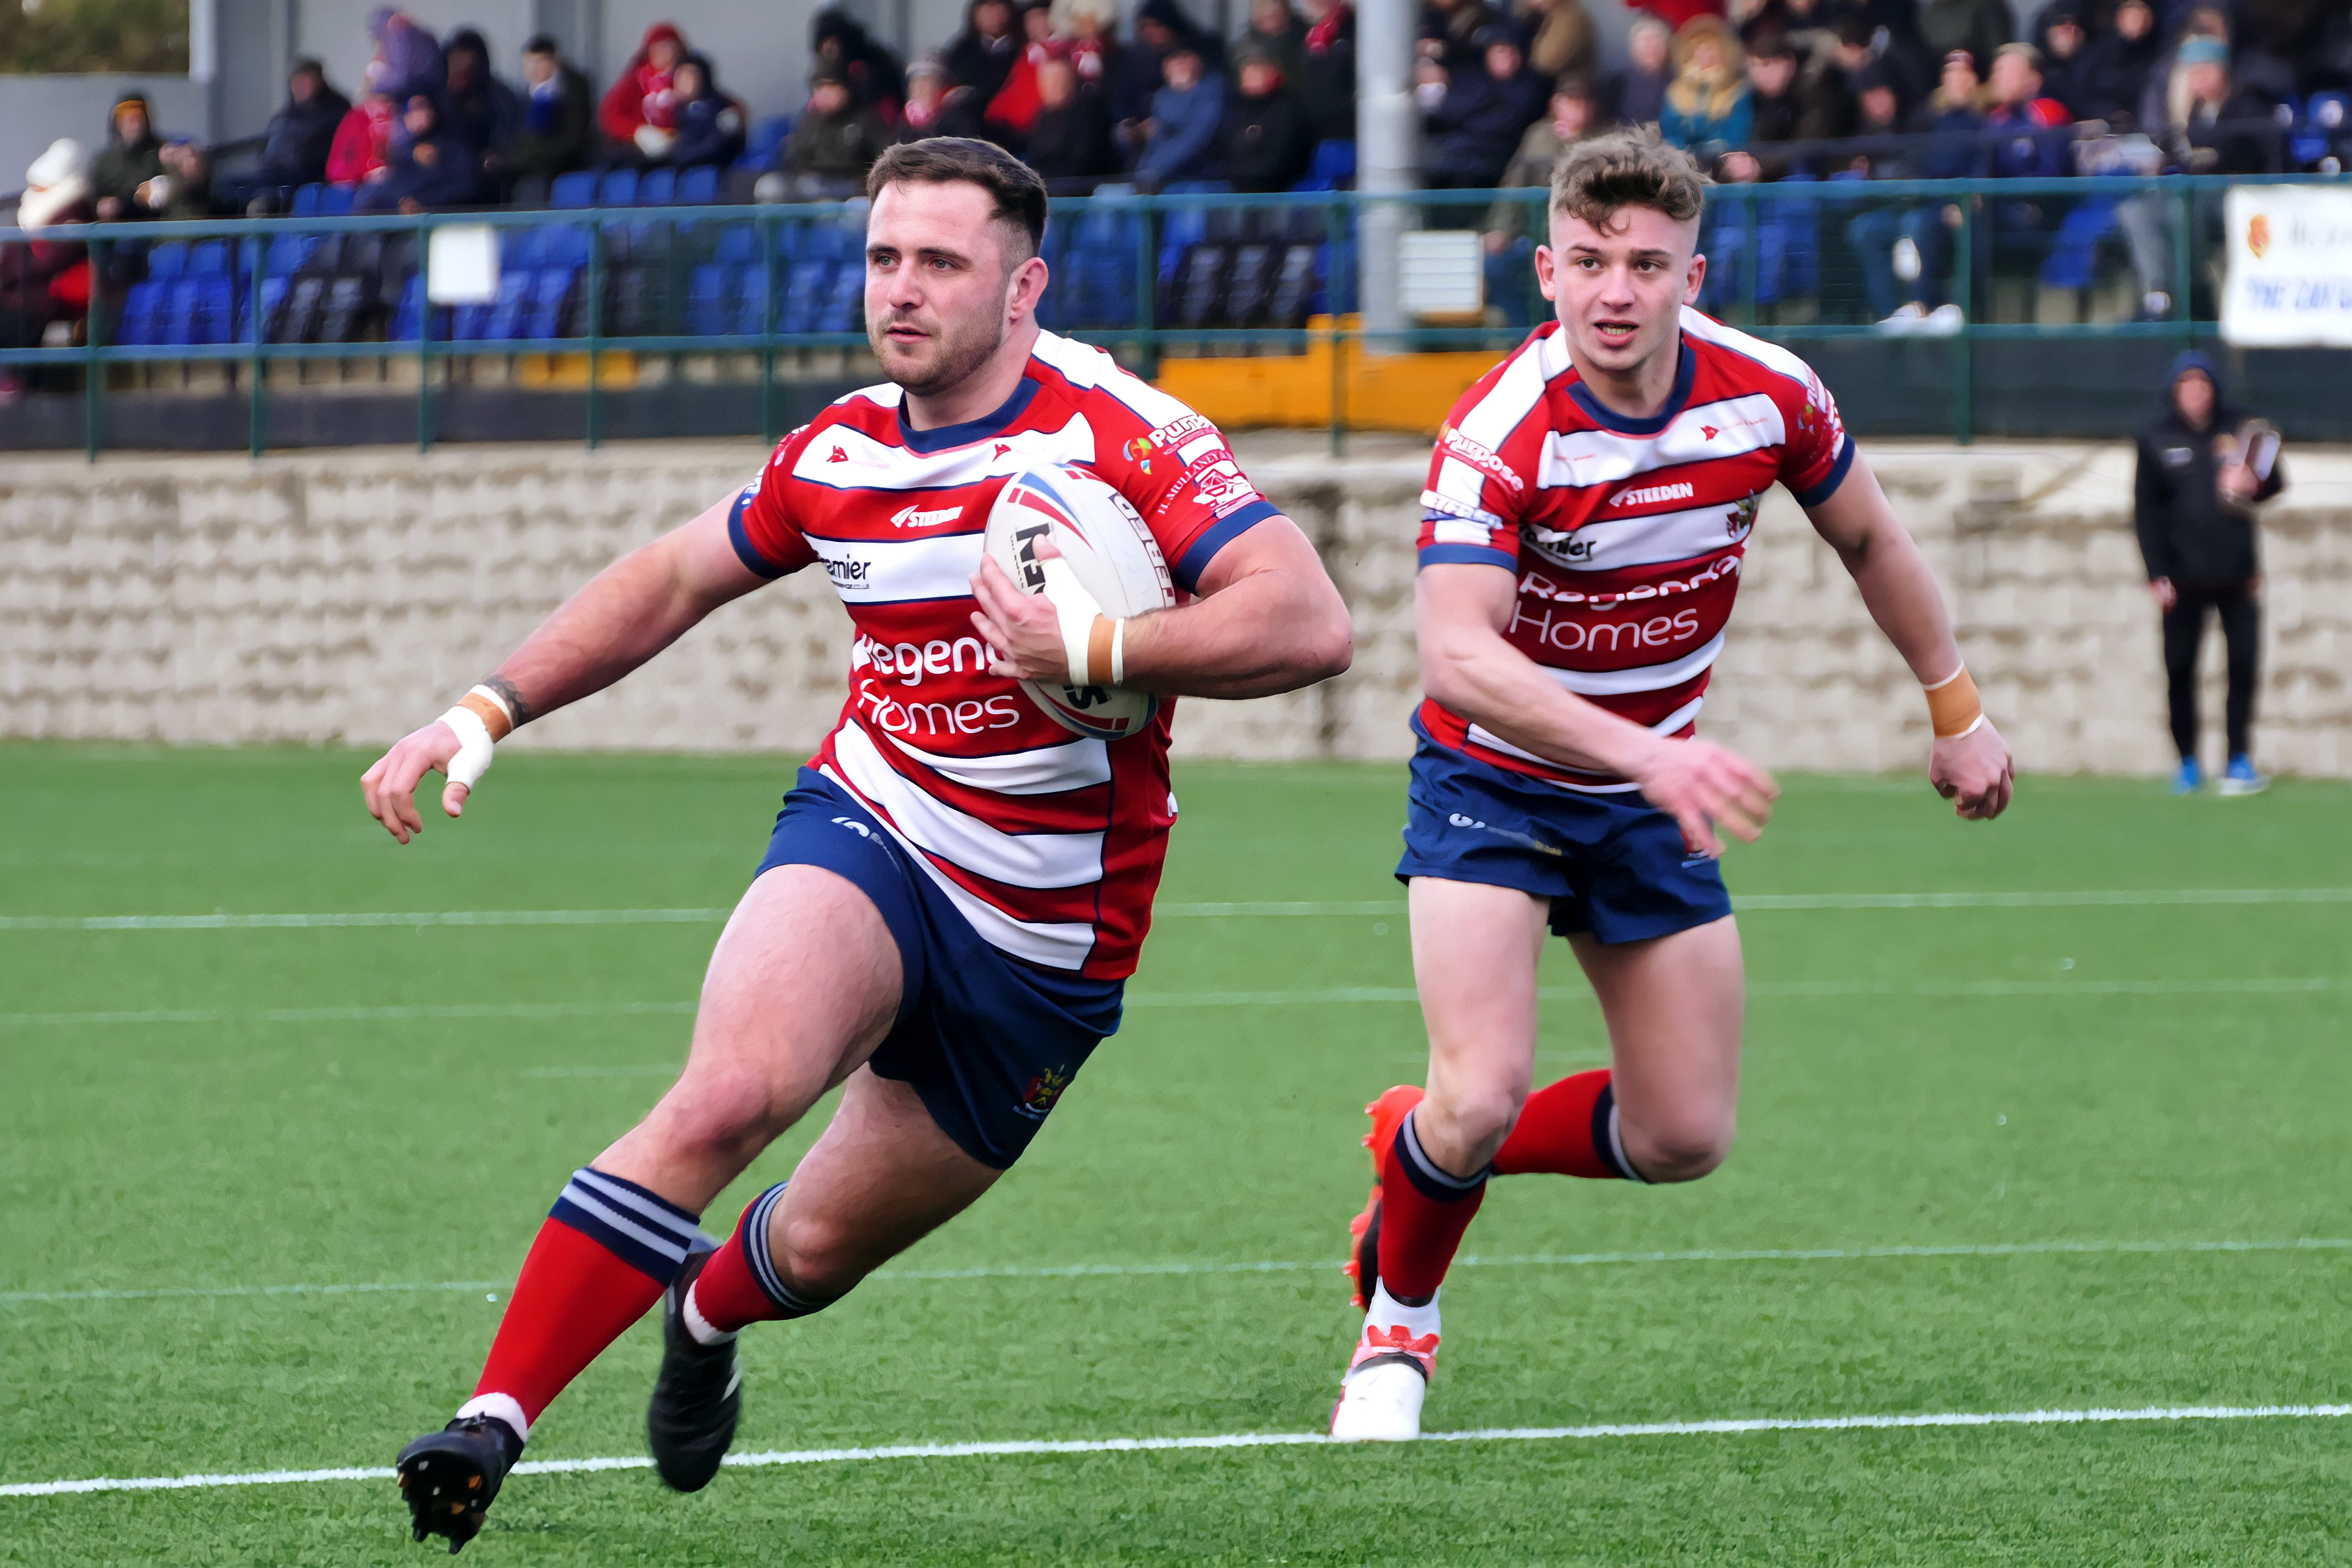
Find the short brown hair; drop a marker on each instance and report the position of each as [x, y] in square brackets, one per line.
[1595, 179]
[1013, 187]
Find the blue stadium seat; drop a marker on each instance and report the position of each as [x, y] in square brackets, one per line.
[766, 137]
[509, 315]
[2072, 261]
[522, 249]
[543, 310]
[2326, 119]
[288, 252]
[141, 304]
[738, 243]
[844, 307]
[273, 295]
[619, 188]
[806, 286]
[410, 316]
[698, 186]
[709, 292]
[656, 188]
[335, 201]
[306, 200]
[1334, 165]
[168, 259]
[577, 189]
[750, 303]
[564, 245]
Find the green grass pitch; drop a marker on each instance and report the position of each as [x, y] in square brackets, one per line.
[1961, 1078]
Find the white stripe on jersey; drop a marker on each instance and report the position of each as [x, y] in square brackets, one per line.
[1021, 859]
[1771, 356]
[1513, 396]
[1577, 459]
[1075, 763]
[1481, 735]
[866, 464]
[1447, 531]
[894, 570]
[1606, 545]
[1057, 945]
[1090, 368]
[1641, 678]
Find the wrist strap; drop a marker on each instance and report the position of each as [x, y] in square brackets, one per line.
[1953, 708]
[1118, 652]
[476, 750]
[491, 709]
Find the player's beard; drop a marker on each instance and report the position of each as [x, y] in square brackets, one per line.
[957, 351]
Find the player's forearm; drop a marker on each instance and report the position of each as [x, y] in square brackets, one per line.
[1899, 590]
[1476, 674]
[1270, 632]
[624, 615]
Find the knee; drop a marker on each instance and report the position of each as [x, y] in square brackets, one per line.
[722, 1111]
[1461, 1125]
[1678, 1148]
[819, 1257]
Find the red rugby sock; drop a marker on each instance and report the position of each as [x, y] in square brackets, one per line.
[1567, 1128]
[1424, 1212]
[603, 1255]
[740, 1285]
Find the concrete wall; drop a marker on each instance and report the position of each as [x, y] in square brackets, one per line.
[348, 596]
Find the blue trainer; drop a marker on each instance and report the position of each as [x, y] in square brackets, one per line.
[2190, 778]
[2242, 778]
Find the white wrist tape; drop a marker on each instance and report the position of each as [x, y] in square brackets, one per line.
[475, 748]
[1091, 641]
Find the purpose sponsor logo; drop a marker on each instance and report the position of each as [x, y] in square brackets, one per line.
[1482, 458]
[916, 517]
[1175, 430]
[1649, 495]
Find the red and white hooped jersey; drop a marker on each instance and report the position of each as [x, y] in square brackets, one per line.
[1050, 844]
[1626, 535]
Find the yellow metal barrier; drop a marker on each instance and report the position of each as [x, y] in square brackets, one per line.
[1412, 393]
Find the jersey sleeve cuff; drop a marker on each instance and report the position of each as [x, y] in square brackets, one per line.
[1815, 494]
[1467, 555]
[1223, 532]
[745, 551]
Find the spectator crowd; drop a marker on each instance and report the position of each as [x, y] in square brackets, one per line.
[1764, 90]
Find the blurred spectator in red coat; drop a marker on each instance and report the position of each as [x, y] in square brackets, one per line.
[639, 115]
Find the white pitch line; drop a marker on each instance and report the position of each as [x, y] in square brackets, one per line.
[1731, 1427]
[1285, 1265]
[1330, 995]
[2089, 898]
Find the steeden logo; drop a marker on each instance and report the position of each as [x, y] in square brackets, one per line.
[914, 517]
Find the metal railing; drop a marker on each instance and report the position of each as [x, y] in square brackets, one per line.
[1787, 264]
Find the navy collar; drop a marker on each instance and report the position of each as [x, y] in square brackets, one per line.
[979, 429]
[1686, 372]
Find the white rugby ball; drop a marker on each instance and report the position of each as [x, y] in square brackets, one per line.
[1113, 556]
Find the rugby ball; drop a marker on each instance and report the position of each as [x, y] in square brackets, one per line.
[1113, 556]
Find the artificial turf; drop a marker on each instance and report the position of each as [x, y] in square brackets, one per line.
[2152, 1072]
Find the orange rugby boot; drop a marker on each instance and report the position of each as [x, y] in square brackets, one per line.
[1363, 1264]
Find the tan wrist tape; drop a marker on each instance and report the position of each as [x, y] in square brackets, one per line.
[491, 709]
[1102, 661]
[1953, 707]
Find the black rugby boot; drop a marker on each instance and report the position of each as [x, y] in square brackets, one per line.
[449, 1476]
[698, 1395]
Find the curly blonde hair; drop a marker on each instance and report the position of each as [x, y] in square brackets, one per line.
[1594, 180]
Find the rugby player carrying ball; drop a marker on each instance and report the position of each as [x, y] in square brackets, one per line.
[957, 886]
[1589, 505]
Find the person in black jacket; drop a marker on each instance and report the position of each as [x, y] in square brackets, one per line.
[1265, 141]
[2202, 466]
[558, 122]
[295, 145]
[1487, 108]
[1070, 142]
[477, 108]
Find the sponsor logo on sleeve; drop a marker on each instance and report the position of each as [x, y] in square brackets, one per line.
[1220, 487]
[1138, 452]
[1455, 444]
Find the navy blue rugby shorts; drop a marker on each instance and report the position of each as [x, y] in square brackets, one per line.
[987, 1041]
[1613, 865]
